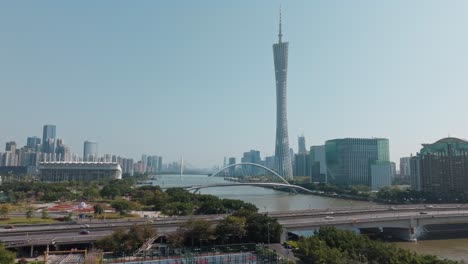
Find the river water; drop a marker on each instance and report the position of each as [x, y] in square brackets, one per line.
[272, 200]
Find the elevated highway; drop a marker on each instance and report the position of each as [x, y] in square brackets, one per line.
[399, 221]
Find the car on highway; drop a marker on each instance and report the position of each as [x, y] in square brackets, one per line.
[328, 217]
[429, 206]
[85, 226]
[84, 232]
[423, 213]
[10, 227]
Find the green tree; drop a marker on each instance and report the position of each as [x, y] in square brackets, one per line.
[231, 226]
[176, 239]
[98, 209]
[45, 213]
[5, 209]
[6, 256]
[260, 227]
[177, 208]
[29, 212]
[91, 193]
[196, 230]
[122, 206]
[330, 245]
[127, 241]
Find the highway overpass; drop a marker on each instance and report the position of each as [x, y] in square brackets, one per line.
[399, 221]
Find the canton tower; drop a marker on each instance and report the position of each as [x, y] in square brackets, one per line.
[282, 154]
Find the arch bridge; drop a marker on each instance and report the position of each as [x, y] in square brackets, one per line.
[248, 174]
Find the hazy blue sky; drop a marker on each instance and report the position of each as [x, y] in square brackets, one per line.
[196, 78]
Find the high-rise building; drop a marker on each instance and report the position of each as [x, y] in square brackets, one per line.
[144, 162]
[318, 164]
[33, 143]
[444, 166]
[232, 170]
[160, 163]
[270, 162]
[415, 173]
[349, 160]
[301, 145]
[382, 174]
[301, 165]
[252, 156]
[405, 167]
[62, 151]
[48, 138]
[90, 151]
[10, 146]
[282, 155]
[152, 164]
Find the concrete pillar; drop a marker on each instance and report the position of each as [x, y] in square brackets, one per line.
[32, 250]
[284, 235]
[407, 234]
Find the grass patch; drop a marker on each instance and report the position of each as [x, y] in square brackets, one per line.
[25, 221]
[115, 216]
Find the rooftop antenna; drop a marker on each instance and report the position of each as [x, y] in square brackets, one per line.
[280, 35]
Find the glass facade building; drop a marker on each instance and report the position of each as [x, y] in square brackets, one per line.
[90, 151]
[349, 160]
[48, 138]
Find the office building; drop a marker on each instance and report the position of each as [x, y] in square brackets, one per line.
[144, 161]
[90, 151]
[232, 170]
[282, 155]
[152, 164]
[444, 166]
[33, 143]
[160, 162]
[48, 139]
[62, 151]
[301, 165]
[301, 144]
[349, 160]
[78, 171]
[318, 164]
[415, 173]
[405, 166]
[270, 162]
[252, 156]
[28, 157]
[382, 174]
[127, 165]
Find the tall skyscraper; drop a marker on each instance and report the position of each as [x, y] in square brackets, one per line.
[90, 151]
[33, 143]
[48, 139]
[282, 156]
[301, 145]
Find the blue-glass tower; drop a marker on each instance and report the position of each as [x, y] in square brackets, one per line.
[282, 156]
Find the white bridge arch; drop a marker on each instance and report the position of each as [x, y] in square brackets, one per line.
[283, 184]
[253, 165]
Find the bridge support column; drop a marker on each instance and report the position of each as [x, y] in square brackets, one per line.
[407, 234]
[32, 251]
[284, 235]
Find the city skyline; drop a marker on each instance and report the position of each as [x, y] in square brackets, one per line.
[393, 70]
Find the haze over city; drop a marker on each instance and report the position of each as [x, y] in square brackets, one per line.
[198, 81]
